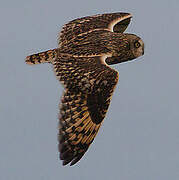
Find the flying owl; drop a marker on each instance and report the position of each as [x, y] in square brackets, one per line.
[86, 48]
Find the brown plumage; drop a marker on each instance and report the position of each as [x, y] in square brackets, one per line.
[86, 48]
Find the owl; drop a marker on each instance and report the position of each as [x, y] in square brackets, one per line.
[87, 47]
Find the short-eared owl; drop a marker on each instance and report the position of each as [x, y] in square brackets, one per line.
[86, 48]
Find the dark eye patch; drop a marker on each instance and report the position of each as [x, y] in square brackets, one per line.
[137, 44]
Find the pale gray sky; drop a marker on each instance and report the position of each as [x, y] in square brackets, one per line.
[139, 139]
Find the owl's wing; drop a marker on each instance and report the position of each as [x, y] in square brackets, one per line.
[83, 106]
[115, 22]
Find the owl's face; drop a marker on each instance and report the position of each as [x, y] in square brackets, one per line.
[136, 47]
[125, 48]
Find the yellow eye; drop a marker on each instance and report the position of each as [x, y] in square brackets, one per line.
[137, 44]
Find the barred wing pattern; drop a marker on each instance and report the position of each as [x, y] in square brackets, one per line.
[114, 22]
[89, 85]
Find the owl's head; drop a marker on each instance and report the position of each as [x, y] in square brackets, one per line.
[135, 45]
[125, 47]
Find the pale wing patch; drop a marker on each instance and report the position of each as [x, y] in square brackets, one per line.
[103, 59]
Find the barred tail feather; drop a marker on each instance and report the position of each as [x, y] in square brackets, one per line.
[42, 57]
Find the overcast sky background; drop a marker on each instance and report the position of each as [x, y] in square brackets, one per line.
[139, 139]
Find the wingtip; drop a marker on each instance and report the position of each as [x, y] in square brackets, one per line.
[128, 15]
[124, 14]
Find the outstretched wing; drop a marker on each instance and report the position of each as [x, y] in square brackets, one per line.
[83, 105]
[114, 22]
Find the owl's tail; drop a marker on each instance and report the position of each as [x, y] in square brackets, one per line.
[42, 57]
